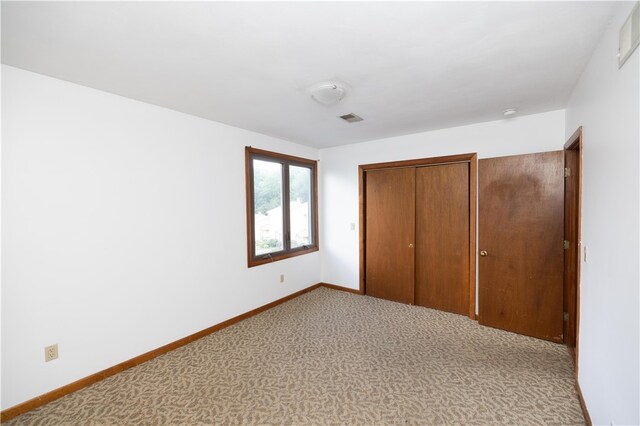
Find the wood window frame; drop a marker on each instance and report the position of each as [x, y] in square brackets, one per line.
[472, 159]
[285, 160]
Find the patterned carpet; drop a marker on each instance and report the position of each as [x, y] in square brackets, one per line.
[329, 357]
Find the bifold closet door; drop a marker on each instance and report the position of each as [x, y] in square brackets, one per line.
[442, 237]
[390, 234]
[521, 218]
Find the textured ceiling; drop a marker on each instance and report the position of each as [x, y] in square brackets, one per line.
[409, 67]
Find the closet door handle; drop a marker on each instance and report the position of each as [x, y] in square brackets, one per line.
[483, 253]
[410, 245]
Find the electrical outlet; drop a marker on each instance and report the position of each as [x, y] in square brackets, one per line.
[50, 353]
[281, 278]
[353, 226]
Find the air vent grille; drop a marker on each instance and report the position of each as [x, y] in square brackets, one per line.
[351, 118]
[629, 35]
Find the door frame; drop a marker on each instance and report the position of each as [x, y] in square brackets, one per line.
[472, 160]
[574, 143]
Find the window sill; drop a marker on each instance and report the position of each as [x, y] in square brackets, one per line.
[281, 256]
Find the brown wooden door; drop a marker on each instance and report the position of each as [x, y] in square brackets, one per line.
[521, 230]
[390, 234]
[442, 237]
[572, 253]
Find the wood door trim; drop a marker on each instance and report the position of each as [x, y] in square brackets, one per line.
[361, 228]
[473, 217]
[575, 143]
[459, 158]
[472, 159]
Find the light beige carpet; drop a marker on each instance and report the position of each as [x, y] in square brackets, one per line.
[329, 358]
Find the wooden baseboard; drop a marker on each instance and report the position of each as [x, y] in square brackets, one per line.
[38, 401]
[583, 405]
[337, 287]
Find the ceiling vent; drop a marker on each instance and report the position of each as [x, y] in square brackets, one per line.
[351, 118]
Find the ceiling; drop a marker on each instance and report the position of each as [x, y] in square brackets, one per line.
[409, 67]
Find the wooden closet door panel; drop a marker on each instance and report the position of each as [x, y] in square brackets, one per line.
[390, 234]
[521, 203]
[442, 237]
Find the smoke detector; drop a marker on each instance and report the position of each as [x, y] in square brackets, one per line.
[328, 93]
[509, 112]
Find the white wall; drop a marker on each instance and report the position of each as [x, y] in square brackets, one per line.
[606, 102]
[339, 174]
[124, 224]
[124, 230]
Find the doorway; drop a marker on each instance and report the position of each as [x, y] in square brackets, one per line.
[572, 237]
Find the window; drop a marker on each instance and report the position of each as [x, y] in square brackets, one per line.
[282, 213]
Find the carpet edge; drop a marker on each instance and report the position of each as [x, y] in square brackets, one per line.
[26, 406]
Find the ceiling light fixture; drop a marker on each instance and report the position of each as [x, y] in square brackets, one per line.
[509, 112]
[328, 93]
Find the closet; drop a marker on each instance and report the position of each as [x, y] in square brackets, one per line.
[418, 232]
[418, 238]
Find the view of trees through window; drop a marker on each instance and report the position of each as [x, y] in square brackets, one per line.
[267, 201]
[268, 206]
[299, 206]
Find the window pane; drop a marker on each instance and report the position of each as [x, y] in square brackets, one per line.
[267, 202]
[300, 206]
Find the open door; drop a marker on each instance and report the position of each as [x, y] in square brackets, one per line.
[521, 233]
